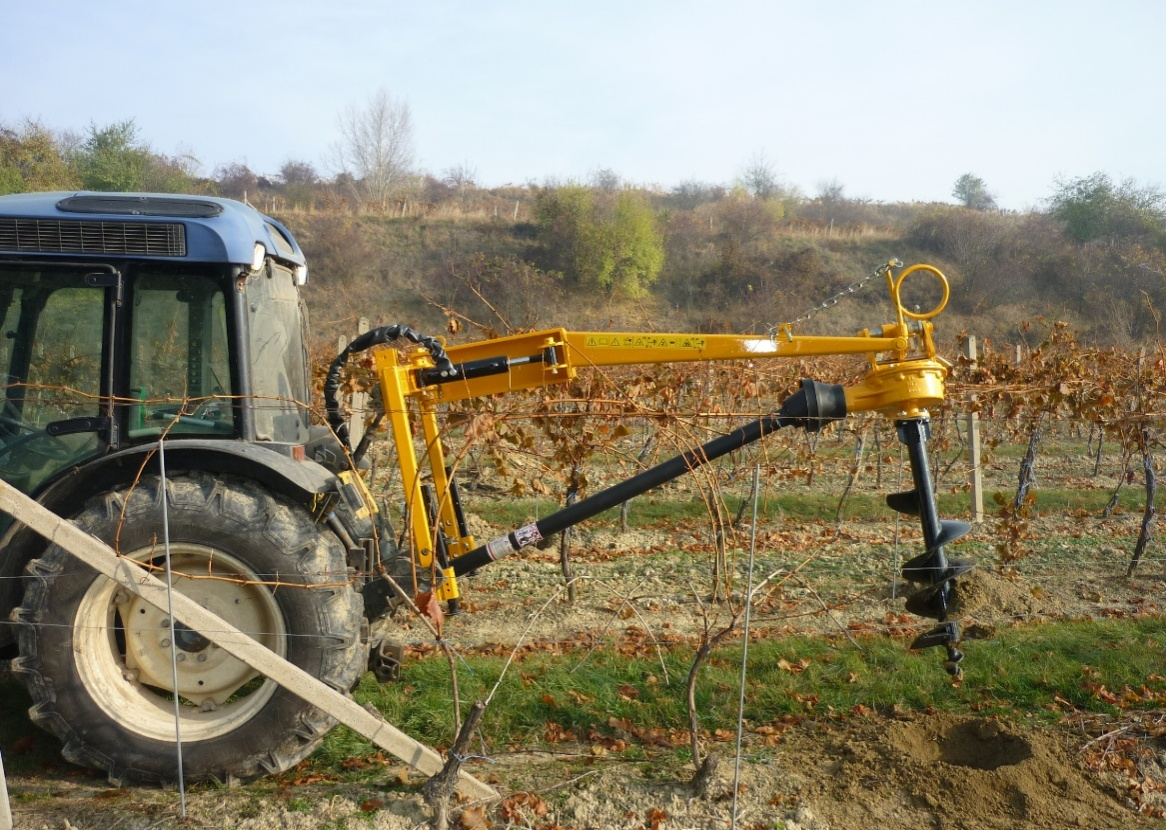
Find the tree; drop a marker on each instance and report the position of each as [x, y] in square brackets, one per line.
[973, 193]
[831, 191]
[236, 180]
[1093, 208]
[113, 158]
[300, 182]
[635, 246]
[461, 179]
[298, 173]
[32, 158]
[173, 174]
[606, 179]
[691, 194]
[376, 147]
[760, 178]
[607, 240]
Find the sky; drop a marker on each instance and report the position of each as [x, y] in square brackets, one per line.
[893, 99]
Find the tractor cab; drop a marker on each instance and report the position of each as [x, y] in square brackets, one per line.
[126, 318]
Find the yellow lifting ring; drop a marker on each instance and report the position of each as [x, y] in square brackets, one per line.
[927, 315]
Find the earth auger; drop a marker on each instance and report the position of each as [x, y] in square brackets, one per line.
[905, 378]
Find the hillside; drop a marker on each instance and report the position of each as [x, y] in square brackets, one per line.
[398, 245]
[733, 264]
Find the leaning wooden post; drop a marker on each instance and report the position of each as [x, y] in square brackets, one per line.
[132, 577]
[5, 807]
[975, 476]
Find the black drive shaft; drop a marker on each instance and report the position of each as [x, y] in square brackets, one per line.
[811, 407]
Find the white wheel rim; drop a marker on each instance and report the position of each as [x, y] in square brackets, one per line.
[133, 686]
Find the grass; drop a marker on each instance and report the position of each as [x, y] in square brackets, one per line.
[1044, 671]
[1038, 670]
[670, 509]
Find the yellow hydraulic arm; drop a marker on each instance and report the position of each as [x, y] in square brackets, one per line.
[905, 378]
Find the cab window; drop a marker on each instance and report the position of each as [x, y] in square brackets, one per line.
[180, 374]
[278, 356]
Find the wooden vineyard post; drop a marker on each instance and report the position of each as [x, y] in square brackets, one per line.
[975, 453]
[358, 404]
[358, 401]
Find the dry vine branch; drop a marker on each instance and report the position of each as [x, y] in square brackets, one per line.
[705, 766]
[1148, 515]
[438, 790]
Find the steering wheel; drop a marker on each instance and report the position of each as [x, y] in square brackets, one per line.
[34, 439]
[206, 415]
[16, 422]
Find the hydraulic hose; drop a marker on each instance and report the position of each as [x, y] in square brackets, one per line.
[363, 342]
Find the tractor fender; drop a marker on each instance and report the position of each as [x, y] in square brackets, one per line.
[304, 482]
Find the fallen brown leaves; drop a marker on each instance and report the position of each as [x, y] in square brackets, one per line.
[522, 807]
[1124, 750]
[474, 818]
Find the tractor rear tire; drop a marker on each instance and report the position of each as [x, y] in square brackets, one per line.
[97, 661]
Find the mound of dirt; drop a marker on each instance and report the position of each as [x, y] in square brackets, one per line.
[986, 593]
[926, 772]
[989, 774]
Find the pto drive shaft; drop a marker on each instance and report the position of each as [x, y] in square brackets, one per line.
[811, 407]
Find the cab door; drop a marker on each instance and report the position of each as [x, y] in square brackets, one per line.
[53, 352]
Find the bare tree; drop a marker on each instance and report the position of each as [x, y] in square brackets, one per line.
[298, 172]
[375, 149]
[691, 194]
[461, 179]
[236, 180]
[760, 177]
[831, 191]
[606, 179]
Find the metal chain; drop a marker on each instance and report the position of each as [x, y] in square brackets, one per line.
[853, 288]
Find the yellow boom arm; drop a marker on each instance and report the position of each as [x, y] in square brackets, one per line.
[905, 377]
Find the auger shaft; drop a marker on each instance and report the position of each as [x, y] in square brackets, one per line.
[932, 568]
[914, 434]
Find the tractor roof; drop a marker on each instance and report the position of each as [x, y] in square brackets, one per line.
[160, 226]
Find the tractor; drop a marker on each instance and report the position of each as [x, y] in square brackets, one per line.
[157, 397]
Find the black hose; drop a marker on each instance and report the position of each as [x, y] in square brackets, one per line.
[363, 342]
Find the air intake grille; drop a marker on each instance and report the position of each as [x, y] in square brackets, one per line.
[54, 236]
